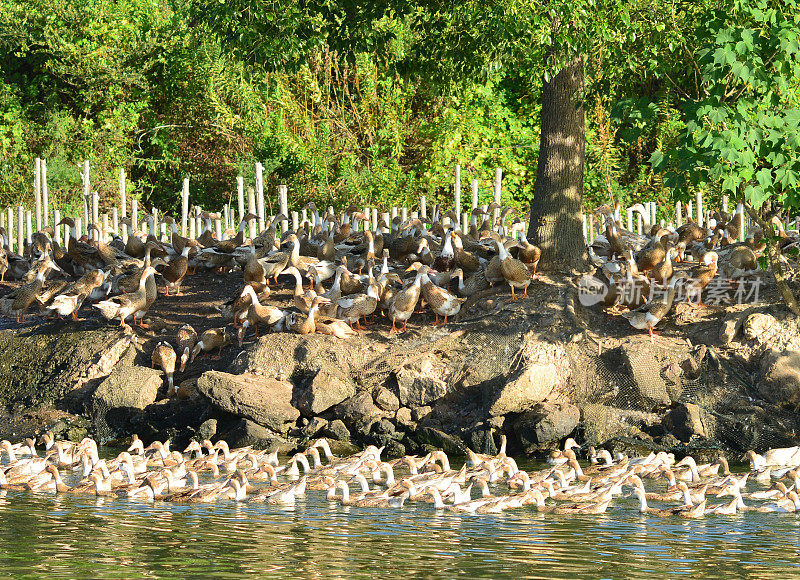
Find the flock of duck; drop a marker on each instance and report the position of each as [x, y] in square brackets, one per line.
[206, 472]
[645, 276]
[399, 269]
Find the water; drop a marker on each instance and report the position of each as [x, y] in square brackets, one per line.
[82, 536]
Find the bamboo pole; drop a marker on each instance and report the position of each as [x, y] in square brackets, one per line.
[115, 220]
[240, 196]
[386, 217]
[28, 227]
[226, 217]
[699, 199]
[86, 191]
[457, 192]
[585, 228]
[251, 208]
[678, 214]
[423, 206]
[10, 232]
[591, 228]
[123, 202]
[185, 207]
[475, 187]
[45, 195]
[638, 223]
[95, 208]
[218, 227]
[304, 216]
[21, 230]
[283, 196]
[104, 231]
[689, 211]
[260, 195]
[725, 203]
[37, 192]
[295, 221]
[630, 220]
[464, 222]
[394, 211]
[652, 213]
[375, 218]
[135, 214]
[740, 210]
[367, 216]
[498, 196]
[57, 219]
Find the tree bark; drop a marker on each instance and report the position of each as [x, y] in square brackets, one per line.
[555, 224]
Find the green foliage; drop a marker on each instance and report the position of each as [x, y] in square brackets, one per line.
[743, 132]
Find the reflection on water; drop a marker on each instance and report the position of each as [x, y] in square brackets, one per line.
[69, 536]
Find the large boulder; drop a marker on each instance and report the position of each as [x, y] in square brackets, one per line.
[546, 424]
[759, 326]
[645, 371]
[601, 423]
[525, 389]
[324, 391]
[420, 381]
[125, 393]
[385, 399]
[247, 433]
[684, 421]
[358, 412]
[780, 377]
[264, 400]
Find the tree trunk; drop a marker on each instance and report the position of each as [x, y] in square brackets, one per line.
[555, 224]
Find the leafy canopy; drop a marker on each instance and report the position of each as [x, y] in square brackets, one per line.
[744, 129]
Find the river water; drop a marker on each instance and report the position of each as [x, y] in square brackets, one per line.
[66, 536]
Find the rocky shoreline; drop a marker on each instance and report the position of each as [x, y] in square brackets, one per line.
[538, 370]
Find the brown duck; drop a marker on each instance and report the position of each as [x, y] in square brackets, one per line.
[127, 304]
[27, 294]
[213, 338]
[187, 338]
[164, 357]
[405, 302]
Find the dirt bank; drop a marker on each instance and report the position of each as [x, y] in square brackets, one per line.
[537, 370]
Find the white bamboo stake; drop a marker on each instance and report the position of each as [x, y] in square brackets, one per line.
[740, 209]
[21, 229]
[95, 208]
[630, 220]
[475, 186]
[498, 185]
[639, 223]
[185, 207]
[591, 228]
[29, 227]
[240, 196]
[218, 227]
[10, 232]
[295, 221]
[678, 214]
[123, 202]
[304, 216]
[652, 212]
[115, 220]
[260, 195]
[725, 203]
[45, 195]
[423, 206]
[457, 192]
[404, 213]
[585, 228]
[367, 216]
[86, 191]
[375, 218]
[689, 211]
[104, 231]
[135, 214]
[283, 196]
[386, 217]
[37, 192]
[394, 211]
[56, 219]
[699, 198]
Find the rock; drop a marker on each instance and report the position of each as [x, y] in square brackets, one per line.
[207, 429]
[358, 412]
[324, 391]
[126, 392]
[246, 432]
[394, 449]
[403, 417]
[385, 399]
[780, 377]
[314, 426]
[421, 381]
[481, 440]
[684, 421]
[525, 389]
[729, 328]
[448, 443]
[601, 423]
[263, 400]
[419, 413]
[645, 372]
[759, 326]
[336, 429]
[383, 427]
[547, 423]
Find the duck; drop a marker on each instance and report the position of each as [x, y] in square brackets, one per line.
[513, 271]
[405, 302]
[701, 277]
[210, 339]
[26, 294]
[687, 510]
[440, 300]
[70, 300]
[302, 299]
[305, 324]
[127, 304]
[164, 356]
[353, 308]
[258, 313]
[186, 339]
[647, 316]
[176, 269]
